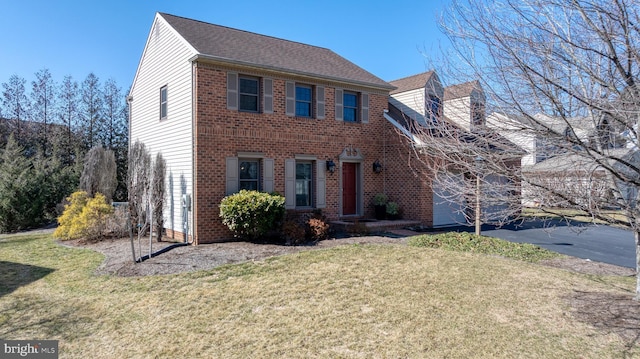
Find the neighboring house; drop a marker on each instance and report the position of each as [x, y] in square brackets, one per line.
[231, 109]
[580, 180]
[420, 102]
[550, 158]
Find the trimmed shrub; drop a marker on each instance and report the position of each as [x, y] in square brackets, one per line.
[305, 227]
[252, 214]
[293, 232]
[84, 217]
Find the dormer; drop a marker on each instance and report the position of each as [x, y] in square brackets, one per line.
[419, 97]
[464, 104]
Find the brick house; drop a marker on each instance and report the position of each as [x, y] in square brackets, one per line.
[231, 110]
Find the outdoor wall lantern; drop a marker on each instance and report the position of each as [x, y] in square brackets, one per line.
[377, 167]
[331, 166]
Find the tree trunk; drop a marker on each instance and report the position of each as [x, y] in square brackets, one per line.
[478, 224]
[636, 236]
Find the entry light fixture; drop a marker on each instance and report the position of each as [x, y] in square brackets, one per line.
[331, 166]
[377, 167]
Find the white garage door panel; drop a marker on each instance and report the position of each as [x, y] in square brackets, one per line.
[447, 213]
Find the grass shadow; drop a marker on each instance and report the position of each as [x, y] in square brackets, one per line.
[610, 312]
[15, 275]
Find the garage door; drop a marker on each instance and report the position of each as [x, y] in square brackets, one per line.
[446, 212]
[494, 209]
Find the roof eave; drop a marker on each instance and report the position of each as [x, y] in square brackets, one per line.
[285, 71]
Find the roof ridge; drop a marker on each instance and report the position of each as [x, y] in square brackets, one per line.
[245, 31]
[410, 76]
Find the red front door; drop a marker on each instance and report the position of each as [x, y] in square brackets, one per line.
[348, 188]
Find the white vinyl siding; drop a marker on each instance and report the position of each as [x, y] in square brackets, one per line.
[165, 62]
[410, 103]
[458, 110]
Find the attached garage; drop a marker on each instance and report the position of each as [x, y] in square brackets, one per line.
[446, 212]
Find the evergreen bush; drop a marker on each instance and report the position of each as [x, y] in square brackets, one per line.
[252, 214]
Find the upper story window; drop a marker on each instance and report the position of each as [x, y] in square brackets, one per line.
[163, 102]
[477, 114]
[434, 109]
[350, 107]
[303, 101]
[249, 94]
[249, 174]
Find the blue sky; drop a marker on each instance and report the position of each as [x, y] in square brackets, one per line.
[389, 39]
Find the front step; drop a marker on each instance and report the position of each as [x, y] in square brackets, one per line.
[373, 225]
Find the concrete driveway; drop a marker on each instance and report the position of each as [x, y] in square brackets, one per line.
[595, 242]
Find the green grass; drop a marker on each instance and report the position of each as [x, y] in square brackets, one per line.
[361, 301]
[467, 242]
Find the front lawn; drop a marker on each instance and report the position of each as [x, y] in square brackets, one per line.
[356, 301]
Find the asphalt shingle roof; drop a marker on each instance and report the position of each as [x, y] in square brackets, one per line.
[411, 83]
[461, 90]
[228, 44]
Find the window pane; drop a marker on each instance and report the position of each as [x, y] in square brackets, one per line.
[163, 102]
[249, 86]
[249, 185]
[163, 94]
[303, 101]
[349, 115]
[303, 170]
[249, 103]
[350, 100]
[249, 175]
[303, 184]
[303, 109]
[249, 170]
[303, 94]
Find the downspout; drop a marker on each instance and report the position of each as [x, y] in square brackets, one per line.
[384, 157]
[194, 197]
[129, 224]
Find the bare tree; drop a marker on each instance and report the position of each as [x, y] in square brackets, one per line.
[15, 103]
[141, 205]
[474, 170]
[91, 117]
[562, 75]
[115, 134]
[68, 111]
[43, 104]
[158, 194]
[99, 173]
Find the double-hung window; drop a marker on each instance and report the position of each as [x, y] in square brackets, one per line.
[304, 184]
[303, 101]
[163, 102]
[249, 174]
[249, 94]
[350, 107]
